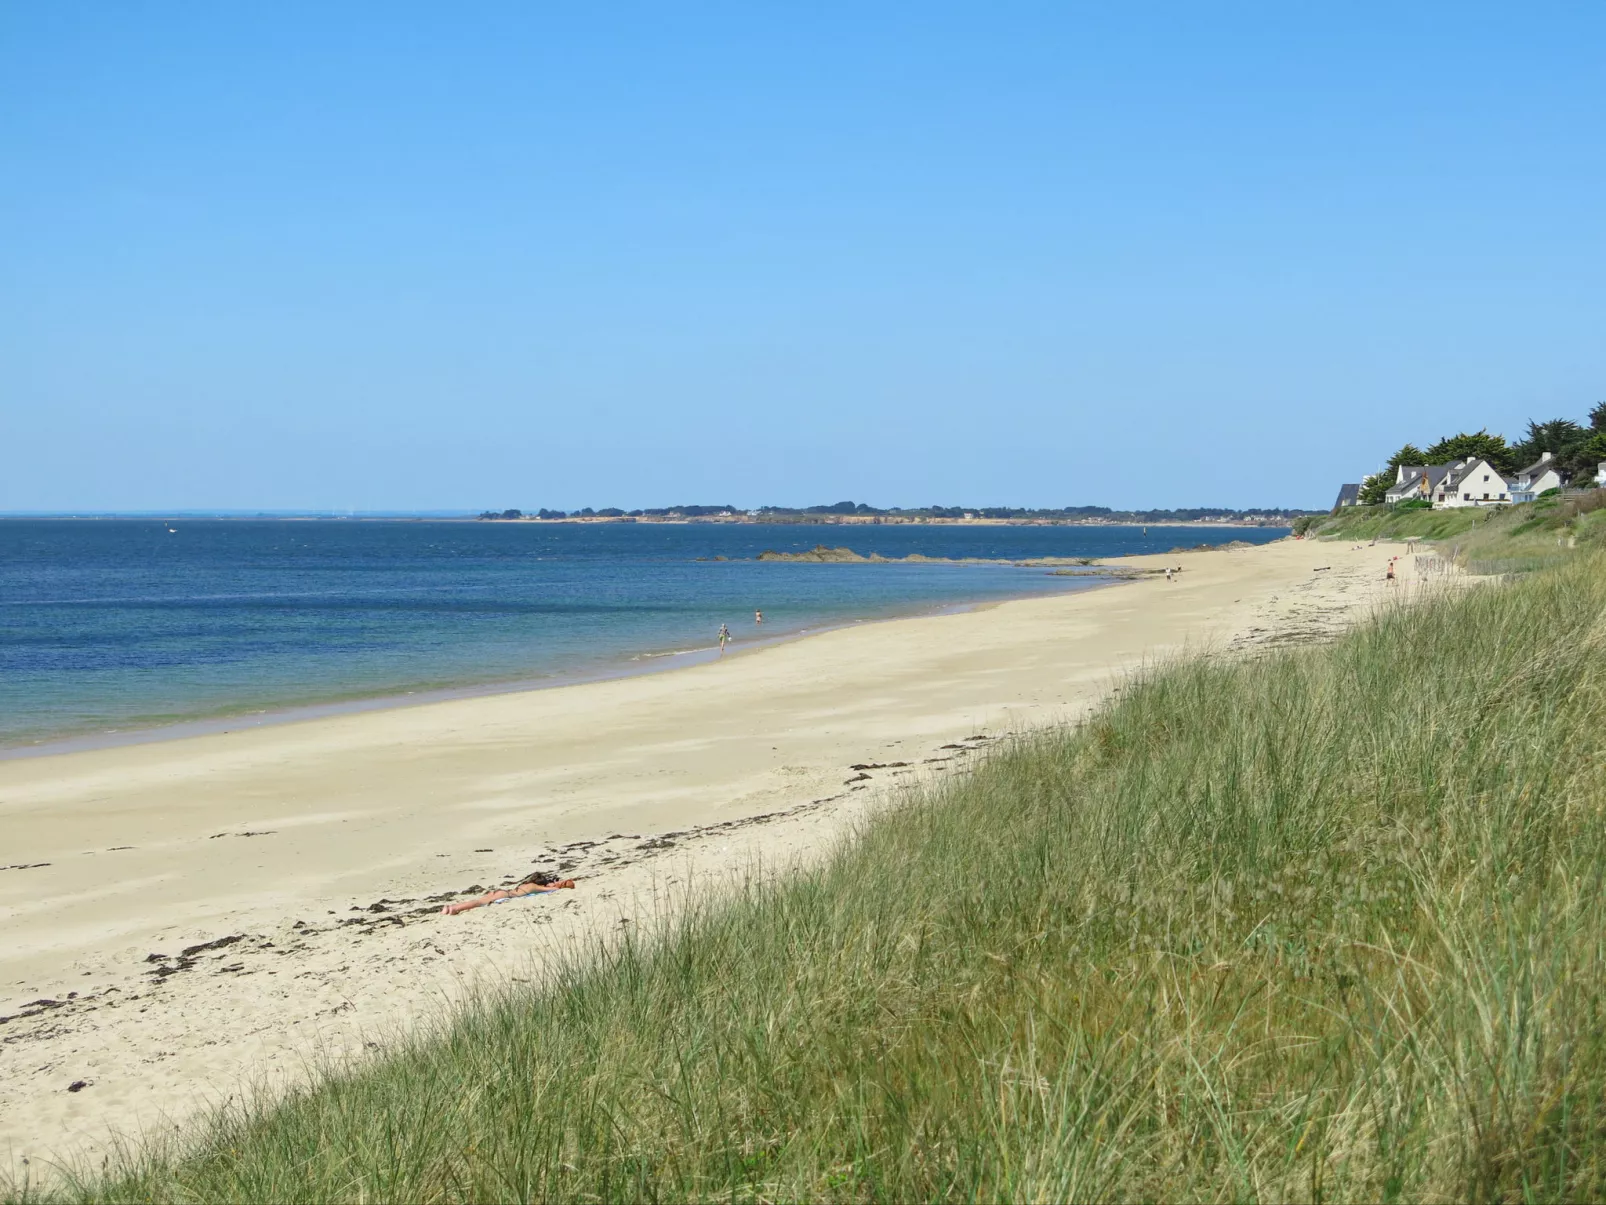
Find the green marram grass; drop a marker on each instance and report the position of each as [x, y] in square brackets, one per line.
[1327, 924]
[1395, 523]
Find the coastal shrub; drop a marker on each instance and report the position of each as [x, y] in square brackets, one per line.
[1317, 924]
[1584, 503]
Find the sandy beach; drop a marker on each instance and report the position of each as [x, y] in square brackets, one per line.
[184, 920]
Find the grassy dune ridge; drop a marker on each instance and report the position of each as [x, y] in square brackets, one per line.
[1328, 923]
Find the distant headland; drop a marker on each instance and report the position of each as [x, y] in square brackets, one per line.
[859, 513]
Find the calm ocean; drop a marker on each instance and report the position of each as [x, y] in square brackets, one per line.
[112, 625]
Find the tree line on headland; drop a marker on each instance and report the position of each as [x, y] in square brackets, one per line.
[1574, 447]
[861, 511]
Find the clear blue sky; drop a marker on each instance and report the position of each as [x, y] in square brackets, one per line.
[418, 256]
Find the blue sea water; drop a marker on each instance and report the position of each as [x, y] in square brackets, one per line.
[119, 624]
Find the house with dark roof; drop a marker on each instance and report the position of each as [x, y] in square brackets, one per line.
[1416, 481]
[1472, 482]
[1534, 480]
[1348, 495]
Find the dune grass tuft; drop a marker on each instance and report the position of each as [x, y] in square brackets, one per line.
[1326, 924]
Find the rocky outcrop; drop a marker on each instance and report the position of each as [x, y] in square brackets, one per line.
[820, 554]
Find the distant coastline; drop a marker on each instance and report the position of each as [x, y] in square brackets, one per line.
[840, 514]
[1281, 519]
[770, 518]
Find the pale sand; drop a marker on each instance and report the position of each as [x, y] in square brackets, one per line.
[154, 848]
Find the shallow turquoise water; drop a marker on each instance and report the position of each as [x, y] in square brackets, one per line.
[112, 624]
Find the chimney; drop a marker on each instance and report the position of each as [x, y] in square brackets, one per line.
[1544, 456]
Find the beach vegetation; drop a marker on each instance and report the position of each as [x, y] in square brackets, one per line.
[1302, 925]
[1494, 540]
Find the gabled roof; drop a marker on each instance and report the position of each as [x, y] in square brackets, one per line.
[1410, 479]
[1348, 495]
[1539, 468]
[1462, 469]
[1410, 483]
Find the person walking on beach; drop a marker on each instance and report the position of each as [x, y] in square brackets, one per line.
[724, 638]
[536, 884]
[1168, 573]
[1390, 576]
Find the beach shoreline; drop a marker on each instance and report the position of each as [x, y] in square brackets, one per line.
[188, 916]
[653, 661]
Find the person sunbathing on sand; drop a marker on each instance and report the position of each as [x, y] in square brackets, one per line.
[538, 882]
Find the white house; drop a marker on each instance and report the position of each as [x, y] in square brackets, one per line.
[1473, 482]
[1536, 479]
[1412, 481]
[1600, 476]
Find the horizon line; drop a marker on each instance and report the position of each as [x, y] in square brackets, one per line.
[651, 512]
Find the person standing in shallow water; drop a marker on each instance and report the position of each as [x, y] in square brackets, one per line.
[758, 618]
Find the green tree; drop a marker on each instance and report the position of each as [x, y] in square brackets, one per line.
[1408, 455]
[1586, 458]
[1492, 448]
[1561, 437]
[1375, 487]
[1597, 417]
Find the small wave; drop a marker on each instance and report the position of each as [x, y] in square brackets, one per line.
[670, 653]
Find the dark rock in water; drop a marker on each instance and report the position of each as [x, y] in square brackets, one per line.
[819, 554]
